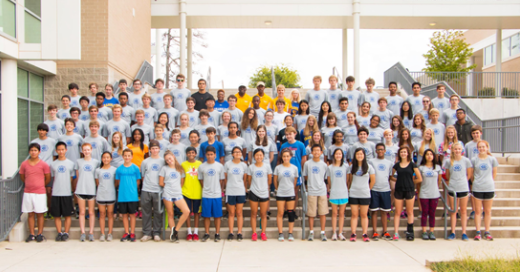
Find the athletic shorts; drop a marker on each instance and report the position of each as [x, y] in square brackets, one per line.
[235, 199]
[404, 195]
[212, 207]
[128, 207]
[285, 198]
[36, 203]
[341, 201]
[172, 199]
[380, 201]
[193, 204]
[459, 194]
[105, 202]
[255, 198]
[62, 206]
[317, 205]
[359, 201]
[483, 195]
[86, 197]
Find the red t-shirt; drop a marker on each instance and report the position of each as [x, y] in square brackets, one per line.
[34, 176]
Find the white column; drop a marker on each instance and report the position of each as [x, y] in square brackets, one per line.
[469, 78]
[344, 69]
[182, 16]
[9, 110]
[357, 48]
[190, 61]
[158, 50]
[498, 61]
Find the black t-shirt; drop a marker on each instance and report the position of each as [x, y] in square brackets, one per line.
[200, 100]
[282, 139]
[404, 181]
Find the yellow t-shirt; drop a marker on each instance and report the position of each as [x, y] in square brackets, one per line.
[192, 188]
[288, 103]
[243, 102]
[138, 157]
[264, 101]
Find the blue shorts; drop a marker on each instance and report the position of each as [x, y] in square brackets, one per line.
[233, 200]
[193, 204]
[211, 207]
[380, 201]
[338, 201]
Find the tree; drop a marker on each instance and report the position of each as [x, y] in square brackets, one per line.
[282, 74]
[448, 52]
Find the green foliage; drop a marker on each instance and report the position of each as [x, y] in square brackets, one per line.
[448, 52]
[490, 92]
[487, 92]
[471, 264]
[282, 74]
[509, 93]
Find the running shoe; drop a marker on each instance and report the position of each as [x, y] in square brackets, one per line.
[239, 237]
[341, 237]
[172, 234]
[477, 236]
[465, 237]
[388, 217]
[365, 238]
[387, 236]
[334, 237]
[323, 237]
[102, 238]
[403, 215]
[58, 237]
[291, 237]
[146, 238]
[352, 237]
[458, 216]
[190, 237]
[82, 237]
[109, 237]
[140, 215]
[432, 236]
[375, 236]
[195, 237]
[205, 237]
[263, 236]
[268, 215]
[217, 238]
[396, 237]
[472, 215]
[91, 237]
[126, 237]
[425, 236]
[230, 237]
[157, 238]
[65, 237]
[451, 236]
[132, 237]
[254, 237]
[488, 236]
[311, 237]
[280, 237]
[40, 238]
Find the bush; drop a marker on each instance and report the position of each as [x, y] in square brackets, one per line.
[509, 93]
[487, 92]
[473, 264]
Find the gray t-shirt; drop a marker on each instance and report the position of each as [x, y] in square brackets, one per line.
[385, 117]
[179, 150]
[172, 182]
[416, 134]
[106, 190]
[84, 116]
[63, 113]
[236, 115]
[370, 149]
[360, 187]
[214, 118]
[328, 135]
[80, 128]
[135, 100]
[350, 132]
[383, 170]
[449, 117]
[471, 150]
[271, 147]
[105, 114]
[334, 96]
[417, 148]
[355, 99]
[147, 130]
[338, 181]
[223, 132]
[458, 174]
[157, 100]
[341, 118]
[391, 152]
[416, 102]
[56, 128]
[99, 145]
[260, 115]
[248, 134]
[430, 182]
[441, 104]
[315, 99]
[62, 171]
[173, 116]
[150, 168]
[285, 177]
[211, 175]
[259, 179]
[179, 98]
[301, 121]
[324, 154]
[47, 149]
[117, 126]
[364, 121]
[193, 117]
[128, 113]
[74, 101]
[376, 135]
[202, 131]
[185, 136]
[371, 98]
[74, 143]
[235, 178]
[438, 131]
[483, 174]
[117, 159]
[332, 148]
[150, 115]
[394, 104]
[316, 173]
[86, 184]
[229, 144]
[272, 132]
[163, 145]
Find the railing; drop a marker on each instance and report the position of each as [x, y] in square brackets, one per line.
[474, 84]
[338, 75]
[447, 206]
[145, 74]
[11, 193]
[303, 196]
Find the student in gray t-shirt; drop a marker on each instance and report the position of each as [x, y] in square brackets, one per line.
[106, 194]
[63, 172]
[235, 184]
[259, 180]
[86, 190]
[74, 143]
[285, 180]
[47, 144]
[337, 187]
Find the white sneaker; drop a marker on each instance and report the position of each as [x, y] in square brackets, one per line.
[311, 236]
[109, 237]
[342, 238]
[146, 238]
[334, 237]
[102, 238]
[157, 238]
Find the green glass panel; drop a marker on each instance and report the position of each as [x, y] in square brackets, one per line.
[33, 29]
[36, 87]
[7, 18]
[34, 6]
[23, 83]
[36, 118]
[23, 133]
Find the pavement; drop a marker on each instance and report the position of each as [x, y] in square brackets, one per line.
[226, 256]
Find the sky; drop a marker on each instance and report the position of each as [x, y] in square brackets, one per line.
[235, 54]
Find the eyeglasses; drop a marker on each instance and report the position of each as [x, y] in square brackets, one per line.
[180, 80]
[380, 150]
[426, 101]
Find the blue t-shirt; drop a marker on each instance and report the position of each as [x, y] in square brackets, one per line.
[217, 145]
[298, 150]
[110, 102]
[220, 107]
[128, 177]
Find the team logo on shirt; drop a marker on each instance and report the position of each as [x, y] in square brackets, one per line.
[62, 169]
[232, 144]
[441, 105]
[366, 150]
[123, 114]
[174, 175]
[316, 97]
[417, 102]
[457, 168]
[372, 99]
[315, 170]
[426, 116]
[269, 133]
[259, 174]
[383, 118]
[94, 145]
[286, 174]
[333, 96]
[236, 171]
[74, 103]
[100, 115]
[161, 146]
[351, 131]
[381, 167]
[203, 132]
[63, 116]
[483, 167]
[248, 130]
[436, 131]
[415, 134]
[184, 136]
[475, 150]
[350, 97]
[136, 101]
[388, 153]
[155, 167]
[146, 115]
[115, 128]
[192, 120]
[159, 99]
[88, 167]
[84, 117]
[359, 173]
[372, 134]
[429, 174]
[115, 155]
[393, 103]
[338, 174]
[53, 127]
[180, 96]
[75, 130]
[107, 175]
[454, 115]
[343, 117]
[211, 172]
[45, 148]
[69, 142]
[176, 153]
[406, 122]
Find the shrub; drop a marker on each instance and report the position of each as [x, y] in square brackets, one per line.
[487, 92]
[509, 93]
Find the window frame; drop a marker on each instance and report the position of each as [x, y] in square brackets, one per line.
[26, 10]
[6, 35]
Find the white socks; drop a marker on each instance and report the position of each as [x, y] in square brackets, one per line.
[189, 231]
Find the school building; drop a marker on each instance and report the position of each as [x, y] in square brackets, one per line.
[44, 45]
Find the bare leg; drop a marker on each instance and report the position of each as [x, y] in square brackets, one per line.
[464, 213]
[30, 221]
[240, 217]
[82, 208]
[102, 214]
[364, 218]
[397, 215]
[217, 224]
[290, 206]
[384, 222]
[487, 213]
[334, 217]
[374, 221]
[477, 206]
[453, 215]
[354, 218]
[263, 214]
[132, 222]
[68, 222]
[231, 217]
[57, 223]
[254, 212]
[279, 215]
[125, 222]
[40, 222]
[341, 217]
[92, 215]
[181, 204]
[110, 213]
[206, 224]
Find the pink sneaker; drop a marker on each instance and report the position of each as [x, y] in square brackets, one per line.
[263, 236]
[189, 238]
[254, 237]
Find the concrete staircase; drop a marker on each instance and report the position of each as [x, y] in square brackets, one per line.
[505, 219]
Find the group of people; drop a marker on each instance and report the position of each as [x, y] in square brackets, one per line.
[193, 152]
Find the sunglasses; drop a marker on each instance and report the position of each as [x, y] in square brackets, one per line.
[180, 80]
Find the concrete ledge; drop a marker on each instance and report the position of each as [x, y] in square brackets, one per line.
[20, 231]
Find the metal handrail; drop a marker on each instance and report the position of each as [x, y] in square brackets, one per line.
[340, 80]
[303, 196]
[446, 206]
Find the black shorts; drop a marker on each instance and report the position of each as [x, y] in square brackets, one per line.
[234, 200]
[255, 198]
[193, 204]
[380, 201]
[404, 195]
[459, 194]
[285, 198]
[128, 207]
[86, 197]
[359, 201]
[483, 195]
[62, 206]
[105, 202]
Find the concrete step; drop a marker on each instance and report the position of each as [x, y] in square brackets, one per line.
[501, 160]
[508, 176]
[507, 184]
[508, 168]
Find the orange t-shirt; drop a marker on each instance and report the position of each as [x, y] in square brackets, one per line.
[138, 154]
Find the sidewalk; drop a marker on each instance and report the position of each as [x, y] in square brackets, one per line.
[243, 256]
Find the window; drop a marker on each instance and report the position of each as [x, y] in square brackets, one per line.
[489, 55]
[30, 109]
[8, 17]
[515, 44]
[33, 22]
